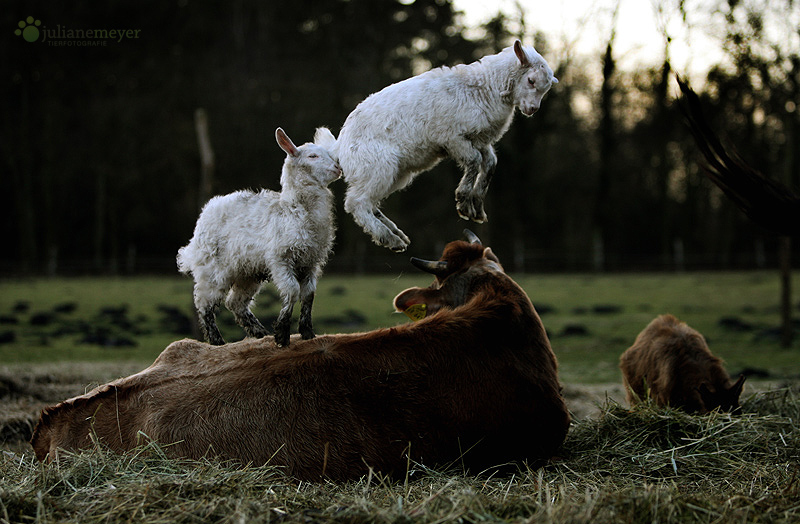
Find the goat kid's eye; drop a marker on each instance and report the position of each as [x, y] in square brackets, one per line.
[313, 155]
[531, 81]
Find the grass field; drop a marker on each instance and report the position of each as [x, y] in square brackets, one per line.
[61, 336]
[591, 319]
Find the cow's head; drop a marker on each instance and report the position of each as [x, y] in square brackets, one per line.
[463, 269]
[726, 399]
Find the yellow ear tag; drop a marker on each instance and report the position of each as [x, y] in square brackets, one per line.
[416, 311]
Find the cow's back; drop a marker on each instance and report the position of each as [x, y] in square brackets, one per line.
[337, 404]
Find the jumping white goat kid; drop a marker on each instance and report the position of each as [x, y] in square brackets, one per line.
[408, 127]
[245, 238]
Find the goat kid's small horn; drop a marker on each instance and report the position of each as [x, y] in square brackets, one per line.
[436, 268]
[472, 237]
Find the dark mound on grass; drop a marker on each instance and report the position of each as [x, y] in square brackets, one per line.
[574, 330]
[735, 324]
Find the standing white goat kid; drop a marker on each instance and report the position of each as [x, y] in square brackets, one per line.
[245, 238]
[408, 127]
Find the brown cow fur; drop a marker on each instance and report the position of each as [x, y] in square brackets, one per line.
[671, 363]
[474, 384]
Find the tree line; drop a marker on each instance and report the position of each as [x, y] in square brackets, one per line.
[102, 166]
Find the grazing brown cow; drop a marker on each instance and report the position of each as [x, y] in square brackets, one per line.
[474, 383]
[672, 363]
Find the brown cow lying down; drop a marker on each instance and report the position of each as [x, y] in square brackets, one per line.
[673, 362]
[476, 377]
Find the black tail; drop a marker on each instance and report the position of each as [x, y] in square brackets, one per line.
[765, 201]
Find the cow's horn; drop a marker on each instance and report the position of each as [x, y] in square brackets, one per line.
[437, 268]
[472, 237]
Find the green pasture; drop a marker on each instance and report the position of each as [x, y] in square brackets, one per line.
[591, 318]
[640, 465]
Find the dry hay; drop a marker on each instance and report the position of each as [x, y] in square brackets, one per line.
[643, 465]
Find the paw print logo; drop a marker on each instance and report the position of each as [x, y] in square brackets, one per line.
[29, 29]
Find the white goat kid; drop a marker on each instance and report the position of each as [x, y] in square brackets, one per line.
[410, 126]
[245, 238]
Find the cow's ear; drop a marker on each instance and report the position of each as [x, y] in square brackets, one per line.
[736, 389]
[488, 254]
[417, 303]
[408, 298]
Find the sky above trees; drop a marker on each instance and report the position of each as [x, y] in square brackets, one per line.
[695, 26]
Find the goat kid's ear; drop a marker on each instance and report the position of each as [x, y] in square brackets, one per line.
[521, 55]
[324, 138]
[555, 80]
[286, 143]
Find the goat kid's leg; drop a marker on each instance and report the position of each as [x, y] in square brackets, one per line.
[392, 227]
[383, 231]
[481, 187]
[283, 324]
[308, 288]
[306, 327]
[286, 282]
[208, 325]
[206, 301]
[468, 204]
[239, 301]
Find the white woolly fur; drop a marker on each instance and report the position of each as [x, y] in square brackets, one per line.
[408, 127]
[244, 238]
